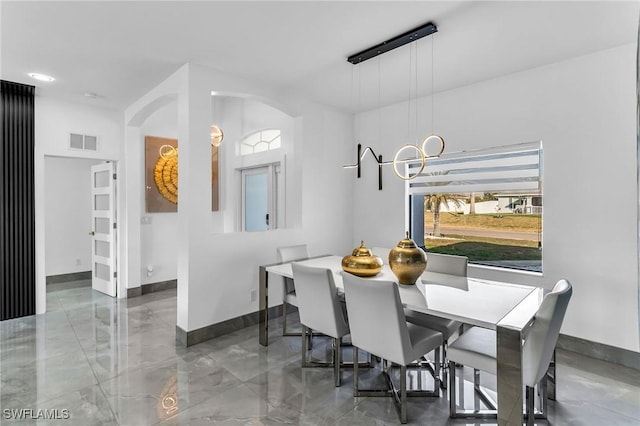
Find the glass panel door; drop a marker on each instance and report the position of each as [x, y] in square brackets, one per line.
[256, 208]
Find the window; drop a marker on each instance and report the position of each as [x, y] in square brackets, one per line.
[486, 205]
[261, 141]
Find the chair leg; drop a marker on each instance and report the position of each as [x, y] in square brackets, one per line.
[452, 389]
[444, 365]
[284, 326]
[530, 404]
[284, 318]
[479, 395]
[337, 376]
[355, 371]
[476, 388]
[437, 370]
[403, 394]
[399, 395]
[543, 398]
[551, 378]
[303, 336]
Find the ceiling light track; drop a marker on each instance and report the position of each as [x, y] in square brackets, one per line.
[398, 41]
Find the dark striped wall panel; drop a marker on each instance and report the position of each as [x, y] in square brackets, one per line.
[17, 212]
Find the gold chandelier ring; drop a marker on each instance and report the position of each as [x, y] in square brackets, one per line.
[428, 140]
[396, 161]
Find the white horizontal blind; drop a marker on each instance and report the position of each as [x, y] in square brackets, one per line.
[509, 168]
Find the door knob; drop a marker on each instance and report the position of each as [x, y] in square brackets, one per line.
[92, 233]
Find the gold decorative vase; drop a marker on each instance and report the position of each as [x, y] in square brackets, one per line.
[407, 261]
[362, 262]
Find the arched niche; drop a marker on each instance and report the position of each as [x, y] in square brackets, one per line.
[240, 115]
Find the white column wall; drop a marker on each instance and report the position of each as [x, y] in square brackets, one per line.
[583, 110]
[229, 263]
[217, 272]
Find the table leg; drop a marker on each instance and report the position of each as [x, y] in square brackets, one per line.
[509, 377]
[263, 306]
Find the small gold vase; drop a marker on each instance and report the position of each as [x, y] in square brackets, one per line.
[407, 261]
[362, 262]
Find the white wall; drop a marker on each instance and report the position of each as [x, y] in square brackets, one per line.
[218, 271]
[583, 110]
[67, 215]
[54, 120]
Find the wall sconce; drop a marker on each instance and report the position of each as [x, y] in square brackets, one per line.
[216, 135]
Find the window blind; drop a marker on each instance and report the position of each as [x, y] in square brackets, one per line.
[509, 168]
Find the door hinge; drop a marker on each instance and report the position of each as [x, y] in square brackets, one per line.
[115, 176]
[115, 275]
[115, 225]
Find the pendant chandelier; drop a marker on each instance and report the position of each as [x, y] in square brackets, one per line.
[421, 155]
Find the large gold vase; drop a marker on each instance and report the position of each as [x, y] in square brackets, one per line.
[407, 261]
[362, 262]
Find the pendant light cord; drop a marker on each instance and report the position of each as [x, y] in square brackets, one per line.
[351, 89]
[379, 102]
[416, 95]
[409, 101]
[433, 94]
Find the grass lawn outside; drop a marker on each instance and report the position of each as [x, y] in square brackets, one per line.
[485, 249]
[482, 249]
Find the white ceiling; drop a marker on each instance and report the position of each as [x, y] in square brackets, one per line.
[120, 50]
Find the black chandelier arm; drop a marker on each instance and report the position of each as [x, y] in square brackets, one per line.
[423, 157]
[379, 172]
[361, 154]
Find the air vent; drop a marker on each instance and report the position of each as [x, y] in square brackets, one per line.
[84, 142]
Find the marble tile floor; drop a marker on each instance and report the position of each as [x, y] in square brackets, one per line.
[103, 361]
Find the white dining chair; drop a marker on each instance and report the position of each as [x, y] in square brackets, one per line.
[476, 348]
[378, 326]
[287, 254]
[450, 265]
[447, 264]
[321, 310]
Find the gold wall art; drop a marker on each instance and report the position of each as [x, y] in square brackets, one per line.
[161, 160]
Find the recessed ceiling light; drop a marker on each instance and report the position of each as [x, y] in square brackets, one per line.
[41, 77]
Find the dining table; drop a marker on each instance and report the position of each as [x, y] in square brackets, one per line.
[507, 308]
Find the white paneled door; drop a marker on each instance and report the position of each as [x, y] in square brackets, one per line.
[103, 232]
